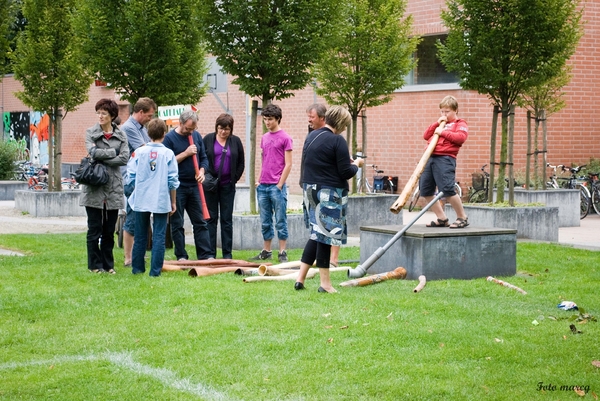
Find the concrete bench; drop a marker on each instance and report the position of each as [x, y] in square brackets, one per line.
[8, 189]
[442, 253]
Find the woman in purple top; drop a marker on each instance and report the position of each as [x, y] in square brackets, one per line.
[226, 160]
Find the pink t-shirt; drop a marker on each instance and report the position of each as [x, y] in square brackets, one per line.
[274, 145]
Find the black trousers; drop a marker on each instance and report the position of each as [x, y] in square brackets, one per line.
[101, 237]
[220, 206]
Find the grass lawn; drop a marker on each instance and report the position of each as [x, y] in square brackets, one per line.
[66, 334]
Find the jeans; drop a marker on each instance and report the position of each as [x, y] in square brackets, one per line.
[101, 238]
[188, 200]
[159, 231]
[129, 225]
[220, 206]
[272, 200]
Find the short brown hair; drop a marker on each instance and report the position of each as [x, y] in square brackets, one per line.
[157, 129]
[144, 104]
[224, 121]
[110, 106]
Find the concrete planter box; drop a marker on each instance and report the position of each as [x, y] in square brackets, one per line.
[8, 189]
[567, 201]
[370, 210]
[49, 204]
[538, 223]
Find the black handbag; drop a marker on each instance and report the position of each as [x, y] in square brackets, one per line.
[211, 183]
[91, 172]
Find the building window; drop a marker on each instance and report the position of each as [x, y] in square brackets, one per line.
[429, 69]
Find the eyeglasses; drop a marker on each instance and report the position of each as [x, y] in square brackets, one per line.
[224, 129]
[102, 113]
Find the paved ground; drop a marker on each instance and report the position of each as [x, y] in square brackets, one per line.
[13, 221]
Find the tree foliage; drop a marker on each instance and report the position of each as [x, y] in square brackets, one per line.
[369, 57]
[11, 23]
[503, 48]
[48, 66]
[268, 45]
[145, 48]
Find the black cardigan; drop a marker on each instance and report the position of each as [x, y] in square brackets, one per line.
[236, 153]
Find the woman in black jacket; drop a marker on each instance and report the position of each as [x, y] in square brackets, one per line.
[226, 161]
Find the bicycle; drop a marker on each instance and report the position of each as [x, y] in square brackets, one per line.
[481, 184]
[594, 188]
[553, 183]
[379, 182]
[574, 182]
[417, 194]
[70, 183]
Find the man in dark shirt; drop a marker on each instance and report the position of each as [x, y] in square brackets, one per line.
[188, 195]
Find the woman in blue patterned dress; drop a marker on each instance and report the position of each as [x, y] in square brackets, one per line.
[327, 169]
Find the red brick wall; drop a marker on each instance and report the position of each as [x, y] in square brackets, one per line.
[395, 129]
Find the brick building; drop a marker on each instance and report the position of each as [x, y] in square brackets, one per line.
[395, 129]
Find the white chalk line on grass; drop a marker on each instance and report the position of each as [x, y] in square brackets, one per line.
[126, 361]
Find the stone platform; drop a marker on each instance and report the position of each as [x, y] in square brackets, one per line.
[442, 253]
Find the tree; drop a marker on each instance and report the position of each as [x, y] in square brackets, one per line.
[11, 23]
[269, 46]
[370, 57]
[46, 62]
[145, 48]
[502, 48]
[541, 101]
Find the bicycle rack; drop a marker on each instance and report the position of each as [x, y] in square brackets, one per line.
[361, 270]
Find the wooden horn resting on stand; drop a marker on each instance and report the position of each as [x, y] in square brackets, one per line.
[413, 181]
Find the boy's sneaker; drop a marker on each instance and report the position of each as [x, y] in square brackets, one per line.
[263, 255]
[283, 257]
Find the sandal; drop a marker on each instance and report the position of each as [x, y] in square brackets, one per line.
[439, 223]
[97, 271]
[460, 223]
[111, 271]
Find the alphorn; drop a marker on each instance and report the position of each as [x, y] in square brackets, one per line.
[292, 276]
[507, 285]
[210, 271]
[205, 213]
[397, 274]
[273, 271]
[422, 282]
[413, 181]
[212, 263]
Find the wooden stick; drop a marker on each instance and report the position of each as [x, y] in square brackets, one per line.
[293, 276]
[505, 284]
[210, 271]
[413, 181]
[214, 262]
[205, 213]
[273, 271]
[422, 282]
[396, 274]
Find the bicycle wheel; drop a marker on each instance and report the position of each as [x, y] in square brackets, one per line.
[478, 197]
[585, 201]
[414, 199]
[596, 198]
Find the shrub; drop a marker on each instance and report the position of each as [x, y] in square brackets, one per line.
[8, 155]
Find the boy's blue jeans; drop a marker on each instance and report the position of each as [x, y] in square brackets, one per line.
[159, 231]
[272, 200]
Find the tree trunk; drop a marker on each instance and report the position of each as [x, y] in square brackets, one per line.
[51, 129]
[493, 153]
[252, 172]
[57, 151]
[364, 145]
[528, 163]
[510, 150]
[542, 117]
[503, 155]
